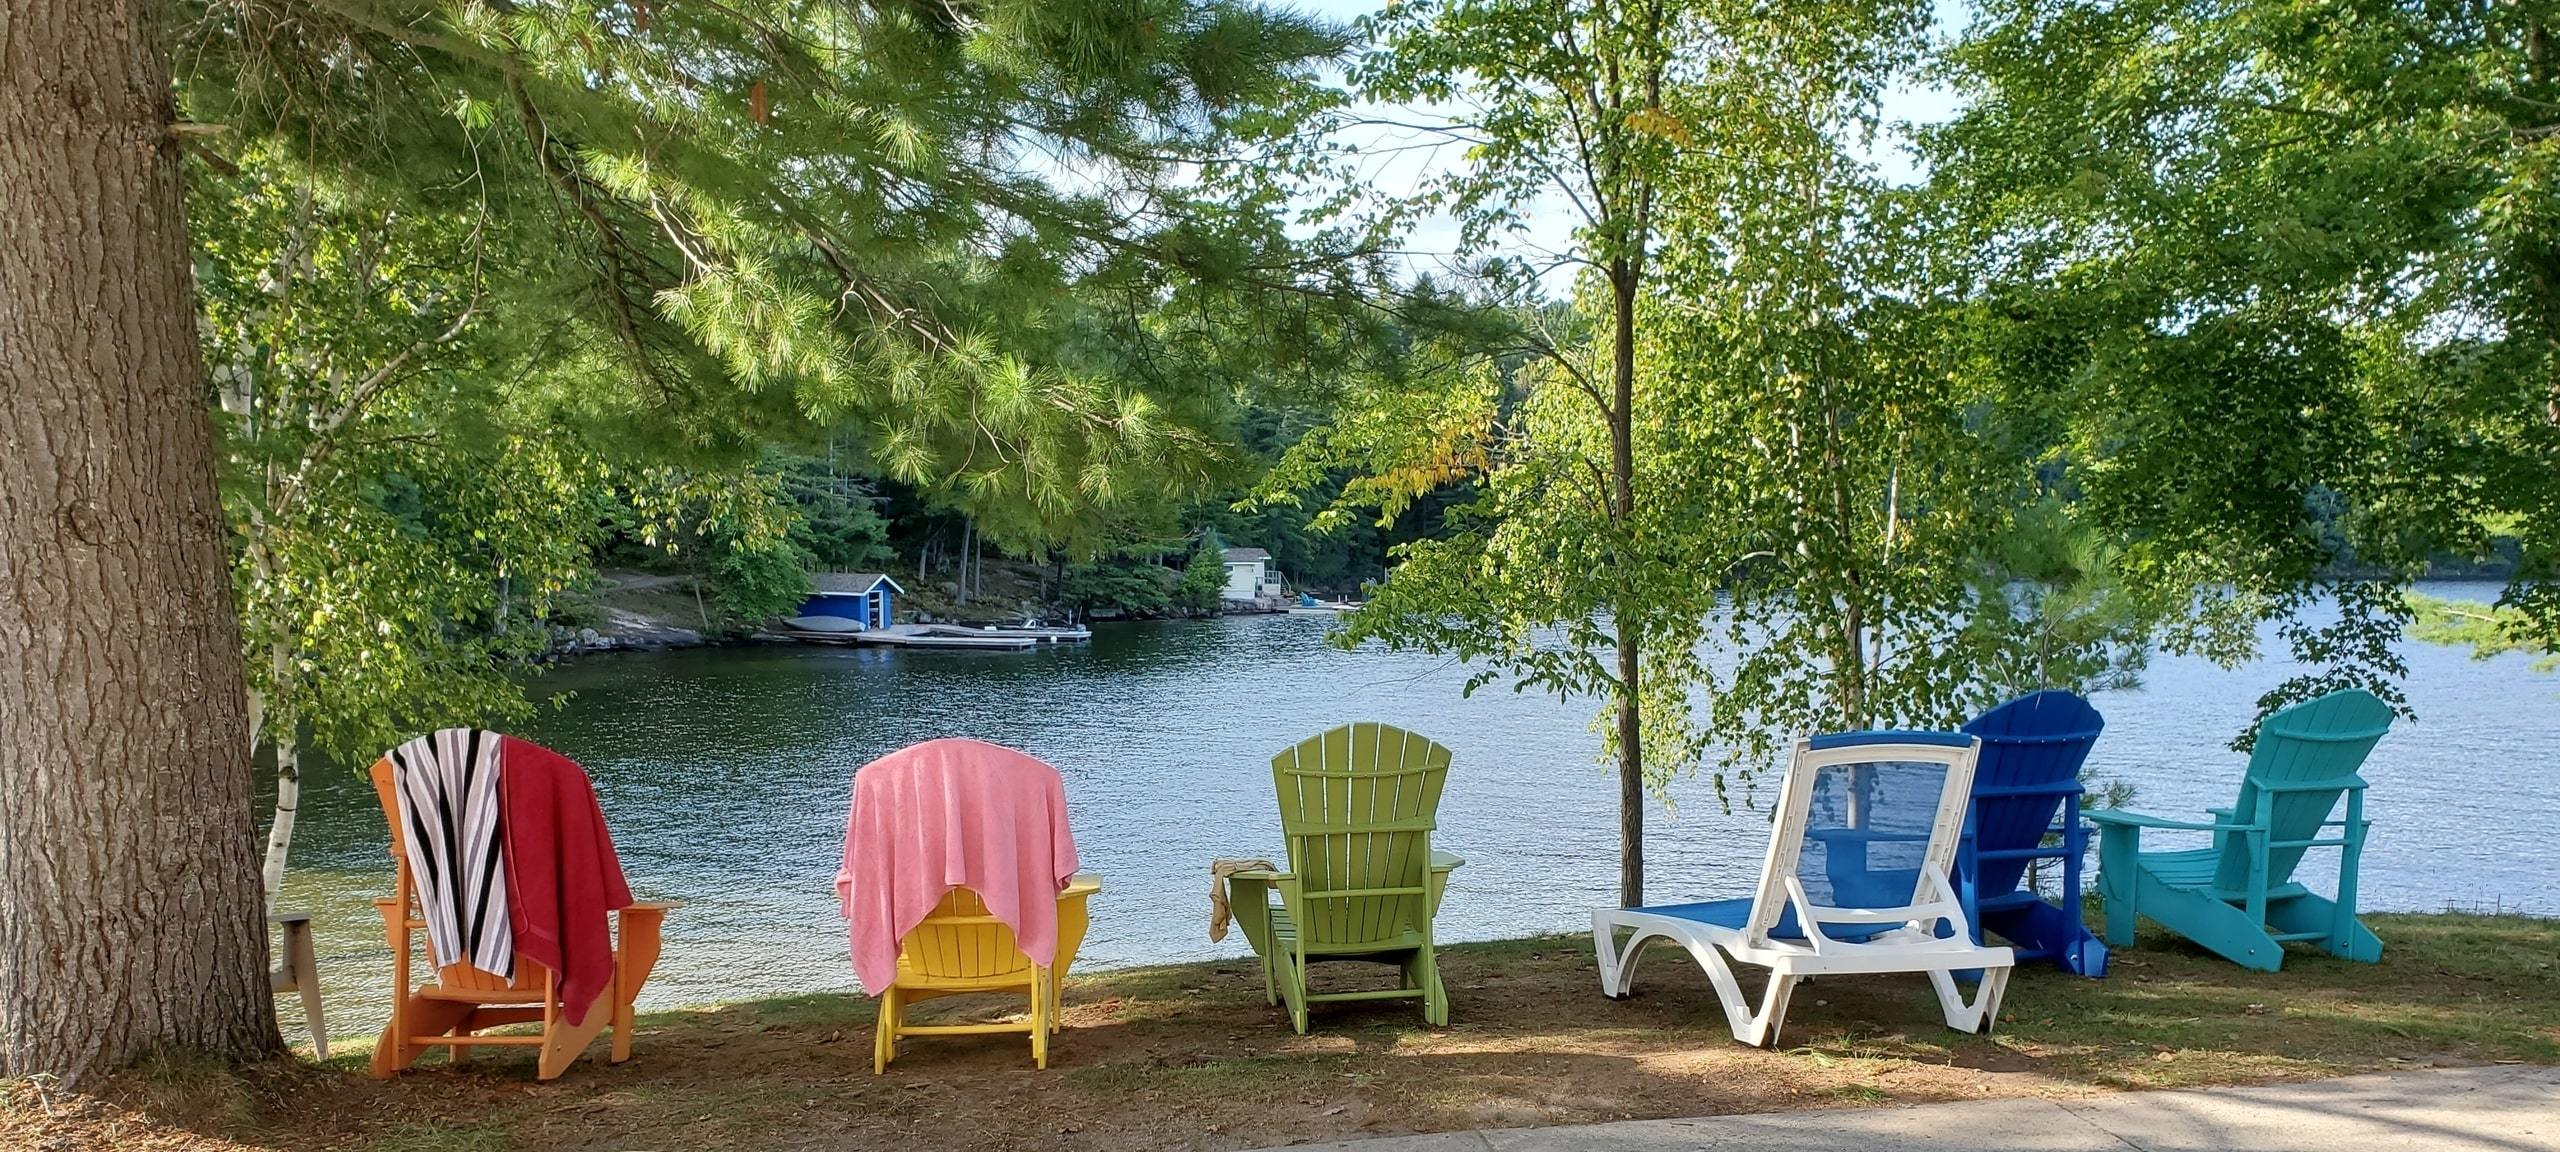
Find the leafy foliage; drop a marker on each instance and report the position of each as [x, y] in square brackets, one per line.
[2290, 273]
[938, 231]
[1204, 579]
[399, 537]
[1122, 586]
[2487, 630]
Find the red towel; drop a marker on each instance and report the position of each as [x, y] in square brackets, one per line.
[949, 814]
[563, 881]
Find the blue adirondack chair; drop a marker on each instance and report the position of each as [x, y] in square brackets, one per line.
[2027, 781]
[2238, 898]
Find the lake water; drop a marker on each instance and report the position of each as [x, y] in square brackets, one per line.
[725, 774]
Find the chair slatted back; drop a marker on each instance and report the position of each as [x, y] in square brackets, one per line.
[460, 975]
[960, 941]
[2032, 750]
[2321, 743]
[1357, 805]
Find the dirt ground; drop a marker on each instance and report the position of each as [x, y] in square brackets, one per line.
[1190, 1057]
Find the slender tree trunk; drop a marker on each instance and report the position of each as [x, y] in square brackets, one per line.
[1622, 502]
[288, 745]
[288, 798]
[129, 918]
[960, 571]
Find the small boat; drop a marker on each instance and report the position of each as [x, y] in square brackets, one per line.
[1047, 633]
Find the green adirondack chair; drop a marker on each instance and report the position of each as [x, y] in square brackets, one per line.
[2238, 898]
[1357, 805]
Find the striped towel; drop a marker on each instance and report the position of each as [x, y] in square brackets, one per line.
[449, 806]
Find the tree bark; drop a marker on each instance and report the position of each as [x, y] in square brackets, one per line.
[129, 895]
[1622, 503]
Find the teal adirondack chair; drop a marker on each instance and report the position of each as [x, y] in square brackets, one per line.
[1357, 806]
[2238, 898]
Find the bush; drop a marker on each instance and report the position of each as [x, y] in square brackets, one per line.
[1204, 580]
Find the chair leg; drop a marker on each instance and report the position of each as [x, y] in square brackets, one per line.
[1293, 989]
[392, 1046]
[1772, 1018]
[2117, 866]
[884, 1039]
[1040, 1018]
[1617, 967]
[305, 962]
[1435, 998]
[1979, 1016]
[622, 1018]
[566, 1042]
[1760, 1029]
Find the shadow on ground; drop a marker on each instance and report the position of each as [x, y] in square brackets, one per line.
[1190, 1057]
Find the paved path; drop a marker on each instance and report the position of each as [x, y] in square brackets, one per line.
[2497, 1109]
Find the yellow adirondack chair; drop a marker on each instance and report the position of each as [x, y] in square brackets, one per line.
[960, 950]
[463, 1001]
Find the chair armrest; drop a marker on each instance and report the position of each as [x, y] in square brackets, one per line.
[1249, 901]
[1082, 884]
[2121, 818]
[653, 905]
[1446, 861]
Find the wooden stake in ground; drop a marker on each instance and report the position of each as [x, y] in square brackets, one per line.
[130, 915]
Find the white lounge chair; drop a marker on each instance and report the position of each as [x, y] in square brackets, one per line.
[1856, 880]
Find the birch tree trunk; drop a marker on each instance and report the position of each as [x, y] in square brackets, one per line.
[288, 745]
[129, 910]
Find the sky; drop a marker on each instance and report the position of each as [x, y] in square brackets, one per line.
[1399, 161]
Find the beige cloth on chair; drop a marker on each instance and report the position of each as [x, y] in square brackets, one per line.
[1219, 914]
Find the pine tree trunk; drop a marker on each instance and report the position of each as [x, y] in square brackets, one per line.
[129, 910]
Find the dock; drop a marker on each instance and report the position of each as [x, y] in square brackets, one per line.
[1002, 638]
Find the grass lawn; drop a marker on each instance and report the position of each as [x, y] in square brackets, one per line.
[1189, 1057]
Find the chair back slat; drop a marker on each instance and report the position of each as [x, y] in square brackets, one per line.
[2317, 741]
[2032, 751]
[1357, 806]
[958, 940]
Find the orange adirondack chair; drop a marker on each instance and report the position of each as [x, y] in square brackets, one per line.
[463, 1001]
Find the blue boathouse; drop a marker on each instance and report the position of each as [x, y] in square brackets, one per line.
[862, 600]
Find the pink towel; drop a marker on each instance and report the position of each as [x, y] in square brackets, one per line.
[949, 814]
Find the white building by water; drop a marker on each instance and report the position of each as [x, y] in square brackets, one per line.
[1250, 576]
